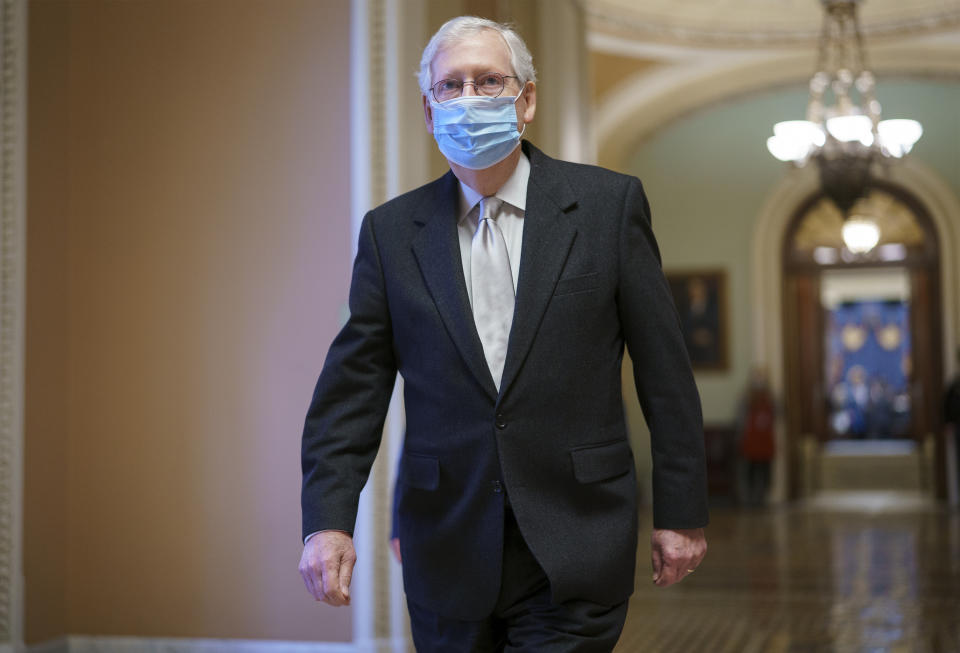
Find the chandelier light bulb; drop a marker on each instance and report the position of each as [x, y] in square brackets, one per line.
[800, 131]
[860, 235]
[793, 140]
[783, 150]
[851, 128]
[898, 136]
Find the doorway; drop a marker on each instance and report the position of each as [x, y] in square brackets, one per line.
[867, 353]
[862, 351]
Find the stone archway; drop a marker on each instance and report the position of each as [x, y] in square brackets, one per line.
[689, 81]
[767, 277]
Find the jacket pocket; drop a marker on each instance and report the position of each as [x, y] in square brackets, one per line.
[598, 462]
[578, 284]
[421, 471]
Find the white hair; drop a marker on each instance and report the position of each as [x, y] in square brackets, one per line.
[458, 29]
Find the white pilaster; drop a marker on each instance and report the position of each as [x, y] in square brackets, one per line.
[13, 94]
[564, 90]
[388, 157]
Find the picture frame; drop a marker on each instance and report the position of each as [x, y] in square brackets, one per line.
[701, 300]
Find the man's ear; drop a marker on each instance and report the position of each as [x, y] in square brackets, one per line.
[428, 114]
[530, 98]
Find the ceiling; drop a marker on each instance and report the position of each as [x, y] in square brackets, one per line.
[758, 23]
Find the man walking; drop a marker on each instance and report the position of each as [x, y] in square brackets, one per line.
[504, 293]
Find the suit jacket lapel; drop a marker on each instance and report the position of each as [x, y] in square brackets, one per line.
[437, 250]
[547, 237]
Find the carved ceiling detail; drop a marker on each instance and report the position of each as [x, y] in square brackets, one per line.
[758, 23]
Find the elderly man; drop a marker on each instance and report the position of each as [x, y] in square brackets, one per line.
[504, 293]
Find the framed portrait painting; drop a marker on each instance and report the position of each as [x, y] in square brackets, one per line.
[701, 300]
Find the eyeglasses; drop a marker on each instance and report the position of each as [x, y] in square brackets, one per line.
[488, 84]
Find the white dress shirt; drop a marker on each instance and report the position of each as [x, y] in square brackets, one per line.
[510, 218]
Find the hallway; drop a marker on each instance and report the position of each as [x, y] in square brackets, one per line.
[860, 572]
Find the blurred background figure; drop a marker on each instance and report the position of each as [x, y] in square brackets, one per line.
[756, 439]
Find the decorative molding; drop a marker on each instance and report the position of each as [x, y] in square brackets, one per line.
[13, 50]
[740, 25]
[84, 644]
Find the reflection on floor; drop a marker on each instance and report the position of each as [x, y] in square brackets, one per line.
[861, 572]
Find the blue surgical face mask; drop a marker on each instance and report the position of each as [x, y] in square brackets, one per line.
[475, 131]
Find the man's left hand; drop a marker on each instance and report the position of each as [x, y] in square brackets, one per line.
[675, 554]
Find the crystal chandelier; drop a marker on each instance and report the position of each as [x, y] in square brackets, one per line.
[843, 131]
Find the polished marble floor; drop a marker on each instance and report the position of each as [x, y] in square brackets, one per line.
[856, 573]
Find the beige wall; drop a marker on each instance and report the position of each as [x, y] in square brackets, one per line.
[46, 536]
[188, 260]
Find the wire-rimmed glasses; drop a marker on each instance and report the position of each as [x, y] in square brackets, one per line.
[488, 84]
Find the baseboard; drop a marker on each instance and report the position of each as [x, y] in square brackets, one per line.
[60, 645]
[85, 644]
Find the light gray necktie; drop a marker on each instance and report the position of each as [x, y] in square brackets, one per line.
[491, 281]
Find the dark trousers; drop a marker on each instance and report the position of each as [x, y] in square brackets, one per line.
[524, 618]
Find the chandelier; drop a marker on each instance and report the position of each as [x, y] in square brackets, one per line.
[843, 131]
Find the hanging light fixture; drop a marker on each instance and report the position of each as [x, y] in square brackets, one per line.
[860, 234]
[843, 131]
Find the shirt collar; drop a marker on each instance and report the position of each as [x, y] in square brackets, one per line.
[513, 191]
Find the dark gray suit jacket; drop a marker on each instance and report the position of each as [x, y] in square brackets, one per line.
[554, 437]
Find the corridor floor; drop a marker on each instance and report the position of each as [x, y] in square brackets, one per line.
[842, 574]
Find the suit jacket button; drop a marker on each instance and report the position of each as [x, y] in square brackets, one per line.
[501, 421]
[497, 488]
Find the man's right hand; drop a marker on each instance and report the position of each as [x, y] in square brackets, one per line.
[327, 566]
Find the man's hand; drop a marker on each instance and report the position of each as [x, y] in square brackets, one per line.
[675, 554]
[327, 566]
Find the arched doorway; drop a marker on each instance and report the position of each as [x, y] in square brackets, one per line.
[862, 347]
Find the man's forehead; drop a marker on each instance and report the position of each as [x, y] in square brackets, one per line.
[485, 48]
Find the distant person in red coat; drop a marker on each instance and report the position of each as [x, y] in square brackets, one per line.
[757, 439]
